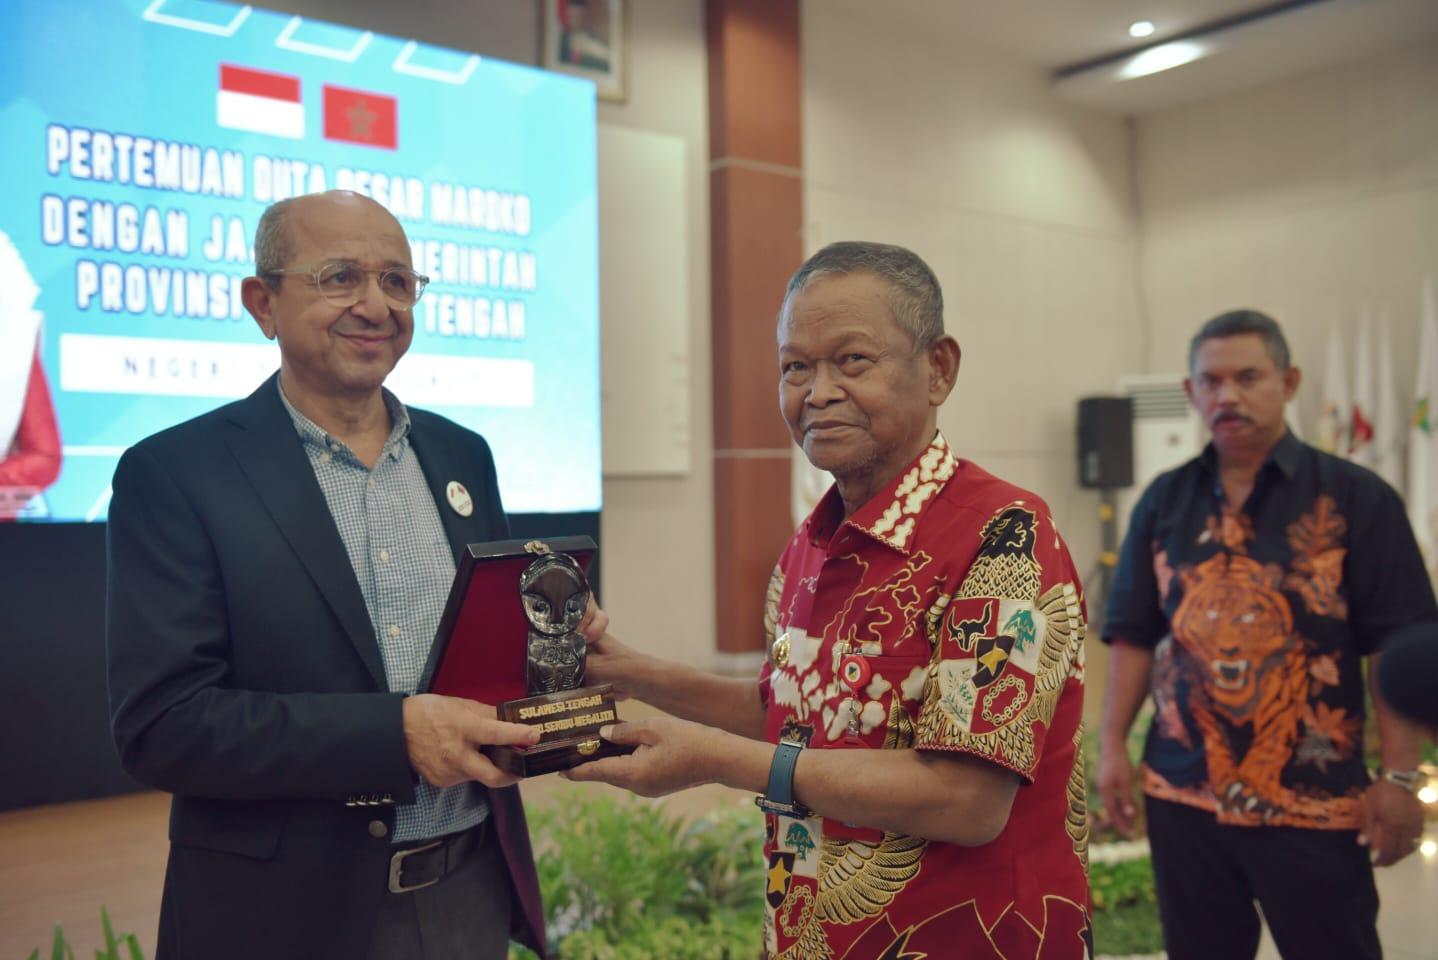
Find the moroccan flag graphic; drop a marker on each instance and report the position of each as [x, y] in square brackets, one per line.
[358, 116]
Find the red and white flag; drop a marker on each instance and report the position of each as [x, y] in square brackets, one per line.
[359, 116]
[1365, 399]
[260, 101]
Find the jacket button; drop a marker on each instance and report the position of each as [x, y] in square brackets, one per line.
[377, 829]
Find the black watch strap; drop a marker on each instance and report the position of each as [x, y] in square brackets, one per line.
[779, 794]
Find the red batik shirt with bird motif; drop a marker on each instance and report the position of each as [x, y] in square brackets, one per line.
[944, 616]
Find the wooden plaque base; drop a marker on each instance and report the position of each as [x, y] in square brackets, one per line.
[570, 720]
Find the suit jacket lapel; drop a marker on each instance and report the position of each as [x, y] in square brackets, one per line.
[439, 469]
[273, 460]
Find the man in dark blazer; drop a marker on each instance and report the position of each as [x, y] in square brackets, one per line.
[274, 568]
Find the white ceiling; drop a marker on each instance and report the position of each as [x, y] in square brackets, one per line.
[1053, 34]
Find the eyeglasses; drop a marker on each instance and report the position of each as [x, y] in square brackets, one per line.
[341, 283]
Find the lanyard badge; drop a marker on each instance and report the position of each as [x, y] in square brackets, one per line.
[854, 673]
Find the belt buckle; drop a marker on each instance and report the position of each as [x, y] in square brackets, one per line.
[396, 868]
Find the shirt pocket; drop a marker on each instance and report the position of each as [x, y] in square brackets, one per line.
[889, 709]
[890, 691]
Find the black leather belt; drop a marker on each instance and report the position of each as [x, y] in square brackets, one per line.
[425, 864]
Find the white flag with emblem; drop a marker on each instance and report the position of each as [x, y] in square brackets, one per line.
[1290, 414]
[1333, 415]
[1388, 419]
[1290, 410]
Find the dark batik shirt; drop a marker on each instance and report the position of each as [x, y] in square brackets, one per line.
[1259, 619]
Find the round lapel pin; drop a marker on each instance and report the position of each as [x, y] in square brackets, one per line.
[459, 499]
[855, 671]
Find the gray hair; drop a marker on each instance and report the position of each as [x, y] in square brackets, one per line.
[1237, 322]
[914, 295]
[273, 244]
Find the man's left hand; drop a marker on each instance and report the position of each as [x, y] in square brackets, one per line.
[672, 755]
[1392, 822]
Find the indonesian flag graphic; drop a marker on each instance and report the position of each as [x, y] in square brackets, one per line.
[358, 116]
[260, 101]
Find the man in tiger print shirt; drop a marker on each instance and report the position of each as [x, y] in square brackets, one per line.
[1253, 581]
[925, 630]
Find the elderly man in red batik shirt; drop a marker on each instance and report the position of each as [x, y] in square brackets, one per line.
[915, 734]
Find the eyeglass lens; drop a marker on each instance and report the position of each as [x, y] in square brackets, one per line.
[341, 283]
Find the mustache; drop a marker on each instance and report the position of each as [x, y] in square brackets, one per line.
[1229, 415]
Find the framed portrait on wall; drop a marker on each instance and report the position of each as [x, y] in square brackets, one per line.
[589, 39]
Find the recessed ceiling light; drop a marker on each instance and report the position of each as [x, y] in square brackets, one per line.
[1163, 57]
[1141, 28]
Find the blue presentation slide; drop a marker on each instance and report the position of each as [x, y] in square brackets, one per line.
[143, 138]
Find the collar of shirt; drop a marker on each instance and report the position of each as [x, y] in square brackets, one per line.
[1284, 455]
[891, 515]
[313, 434]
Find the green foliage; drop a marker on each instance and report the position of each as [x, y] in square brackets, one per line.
[624, 880]
[1125, 908]
[60, 948]
[1133, 928]
[723, 937]
[1113, 885]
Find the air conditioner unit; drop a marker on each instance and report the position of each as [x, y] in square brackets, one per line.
[1166, 432]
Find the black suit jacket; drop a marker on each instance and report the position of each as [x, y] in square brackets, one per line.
[246, 680]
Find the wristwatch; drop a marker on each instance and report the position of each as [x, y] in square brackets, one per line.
[1410, 780]
[778, 797]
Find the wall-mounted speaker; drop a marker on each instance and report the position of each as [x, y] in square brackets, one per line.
[1105, 442]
